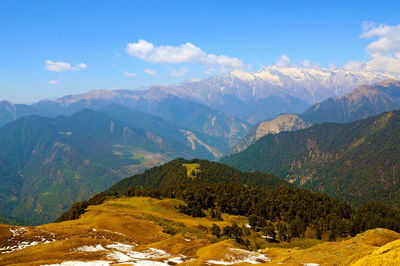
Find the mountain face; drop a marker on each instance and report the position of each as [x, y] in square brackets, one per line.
[357, 161]
[365, 101]
[262, 95]
[284, 122]
[48, 163]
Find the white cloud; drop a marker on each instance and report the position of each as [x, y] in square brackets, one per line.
[388, 41]
[180, 72]
[384, 51]
[283, 61]
[185, 53]
[62, 66]
[378, 63]
[54, 82]
[149, 71]
[129, 74]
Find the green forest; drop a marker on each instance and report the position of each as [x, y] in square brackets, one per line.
[356, 162]
[280, 210]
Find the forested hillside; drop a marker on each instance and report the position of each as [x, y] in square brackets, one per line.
[48, 163]
[210, 189]
[357, 162]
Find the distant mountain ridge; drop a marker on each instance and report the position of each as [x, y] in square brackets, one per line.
[250, 96]
[48, 163]
[360, 103]
[356, 162]
[179, 111]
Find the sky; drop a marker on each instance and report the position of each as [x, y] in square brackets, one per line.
[49, 49]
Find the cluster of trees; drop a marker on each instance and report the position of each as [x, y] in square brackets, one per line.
[283, 213]
[79, 208]
[274, 207]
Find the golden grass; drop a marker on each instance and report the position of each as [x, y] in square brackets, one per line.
[389, 254]
[134, 220]
[144, 221]
[335, 253]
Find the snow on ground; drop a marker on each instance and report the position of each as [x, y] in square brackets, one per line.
[149, 263]
[15, 242]
[90, 248]
[150, 253]
[240, 256]
[124, 253]
[121, 247]
[81, 263]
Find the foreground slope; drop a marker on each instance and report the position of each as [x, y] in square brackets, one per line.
[357, 162]
[148, 231]
[363, 249]
[126, 230]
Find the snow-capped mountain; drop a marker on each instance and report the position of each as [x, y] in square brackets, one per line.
[257, 96]
[308, 84]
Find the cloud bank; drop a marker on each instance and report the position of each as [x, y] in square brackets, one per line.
[185, 53]
[129, 74]
[384, 49]
[63, 66]
[149, 71]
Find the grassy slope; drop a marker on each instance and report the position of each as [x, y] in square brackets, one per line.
[142, 221]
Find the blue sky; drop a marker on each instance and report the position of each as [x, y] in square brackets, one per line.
[93, 37]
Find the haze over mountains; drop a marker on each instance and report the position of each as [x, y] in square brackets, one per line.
[136, 129]
[251, 96]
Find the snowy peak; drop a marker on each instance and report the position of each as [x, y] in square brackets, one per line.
[309, 84]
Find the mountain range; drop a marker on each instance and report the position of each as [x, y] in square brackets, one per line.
[126, 131]
[48, 163]
[362, 102]
[357, 161]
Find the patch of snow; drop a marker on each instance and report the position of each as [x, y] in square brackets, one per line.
[91, 248]
[149, 263]
[81, 263]
[151, 253]
[119, 256]
[176, 260]
[21, 245]
[18, 231]
[18, 234]
[120, 247]
[241, 256]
